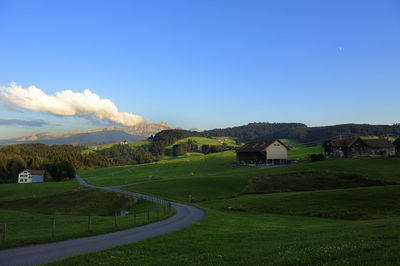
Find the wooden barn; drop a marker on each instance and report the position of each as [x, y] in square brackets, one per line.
[266, 152]
[397, 144]
[358, 147]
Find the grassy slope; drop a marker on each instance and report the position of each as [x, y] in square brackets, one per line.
[234, 238]
[102, 147]
[354, 203]
[206, 141]
[84, 202]
[254, 237]
[302, 154]
[182, 167]
[28, 210]
[20, 191]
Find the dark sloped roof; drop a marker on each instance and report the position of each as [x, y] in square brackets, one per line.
[36, 172]
[378, 143]
[373, 143]
[342, 142]
[259, 146]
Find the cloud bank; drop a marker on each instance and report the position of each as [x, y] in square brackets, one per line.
[66, 103]
[18, 122]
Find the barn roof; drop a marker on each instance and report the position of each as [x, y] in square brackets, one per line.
[373, 143]
[36, 172]
[259, 146]
[341, 142]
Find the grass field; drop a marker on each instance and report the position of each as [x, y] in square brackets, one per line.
[20, 191]
[354, 224]
[207, 141]
[29, 209]
[186, 166]
[236, 238]
[353, 204]
[99, 148]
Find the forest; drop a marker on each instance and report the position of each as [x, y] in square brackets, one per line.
[16, 158]
[310, 136]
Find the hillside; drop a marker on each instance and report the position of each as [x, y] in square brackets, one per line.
[284, 216]
[308, 136]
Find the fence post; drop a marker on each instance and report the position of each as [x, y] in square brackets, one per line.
[158, 212]
[89, 223]
[115, 220]
[53, 228]
[5, 232]
[134, 217]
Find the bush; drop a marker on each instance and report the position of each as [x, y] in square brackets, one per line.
[317, 157]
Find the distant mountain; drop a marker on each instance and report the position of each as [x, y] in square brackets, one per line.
[94, 136]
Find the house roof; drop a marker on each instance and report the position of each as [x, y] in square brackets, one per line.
[373, 143]
[341, 142]
[36, 172]
[378, 143]
[259, 146]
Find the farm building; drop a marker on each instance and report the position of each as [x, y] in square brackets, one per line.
[358, 147]
[31, 176]
[269, 152]
[397, 144]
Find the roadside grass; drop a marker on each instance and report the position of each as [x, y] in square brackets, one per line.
[29, 209]
[219, 184]
[353, 204]
[24, 228]
[20, 191]
[352, 226]
[186, 166]
[84, 202]
[236, 238]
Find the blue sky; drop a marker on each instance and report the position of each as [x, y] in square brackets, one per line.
[205, 64]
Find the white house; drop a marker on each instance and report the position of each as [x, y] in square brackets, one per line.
[31, 176]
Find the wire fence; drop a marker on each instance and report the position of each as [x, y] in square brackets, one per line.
[35, 228]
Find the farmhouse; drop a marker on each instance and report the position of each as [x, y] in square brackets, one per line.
[269, 152]
[397, 144]
[31, 176]
[358, 147]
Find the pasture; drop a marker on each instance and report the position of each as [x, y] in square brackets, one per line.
[29, 210]
[333, 212]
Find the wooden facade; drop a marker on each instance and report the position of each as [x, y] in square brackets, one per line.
[358, 147]
[267, 152]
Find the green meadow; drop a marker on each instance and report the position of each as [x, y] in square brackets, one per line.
[207, 141]
[29, 210]
[333, 212]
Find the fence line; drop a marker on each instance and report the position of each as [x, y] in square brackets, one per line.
[141, 216]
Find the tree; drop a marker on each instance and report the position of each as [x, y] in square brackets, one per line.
[62, 170]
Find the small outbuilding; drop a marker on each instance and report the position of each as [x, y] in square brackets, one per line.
[358, 147]
[31, 176]
[266, 152]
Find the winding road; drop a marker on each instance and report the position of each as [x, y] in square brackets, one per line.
[37, 254]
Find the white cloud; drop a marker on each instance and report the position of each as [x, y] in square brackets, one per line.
[66, 103]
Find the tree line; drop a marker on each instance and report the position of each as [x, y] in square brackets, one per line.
[58, 160]
[308, 135]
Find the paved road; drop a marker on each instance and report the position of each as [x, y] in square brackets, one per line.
[37, 254]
